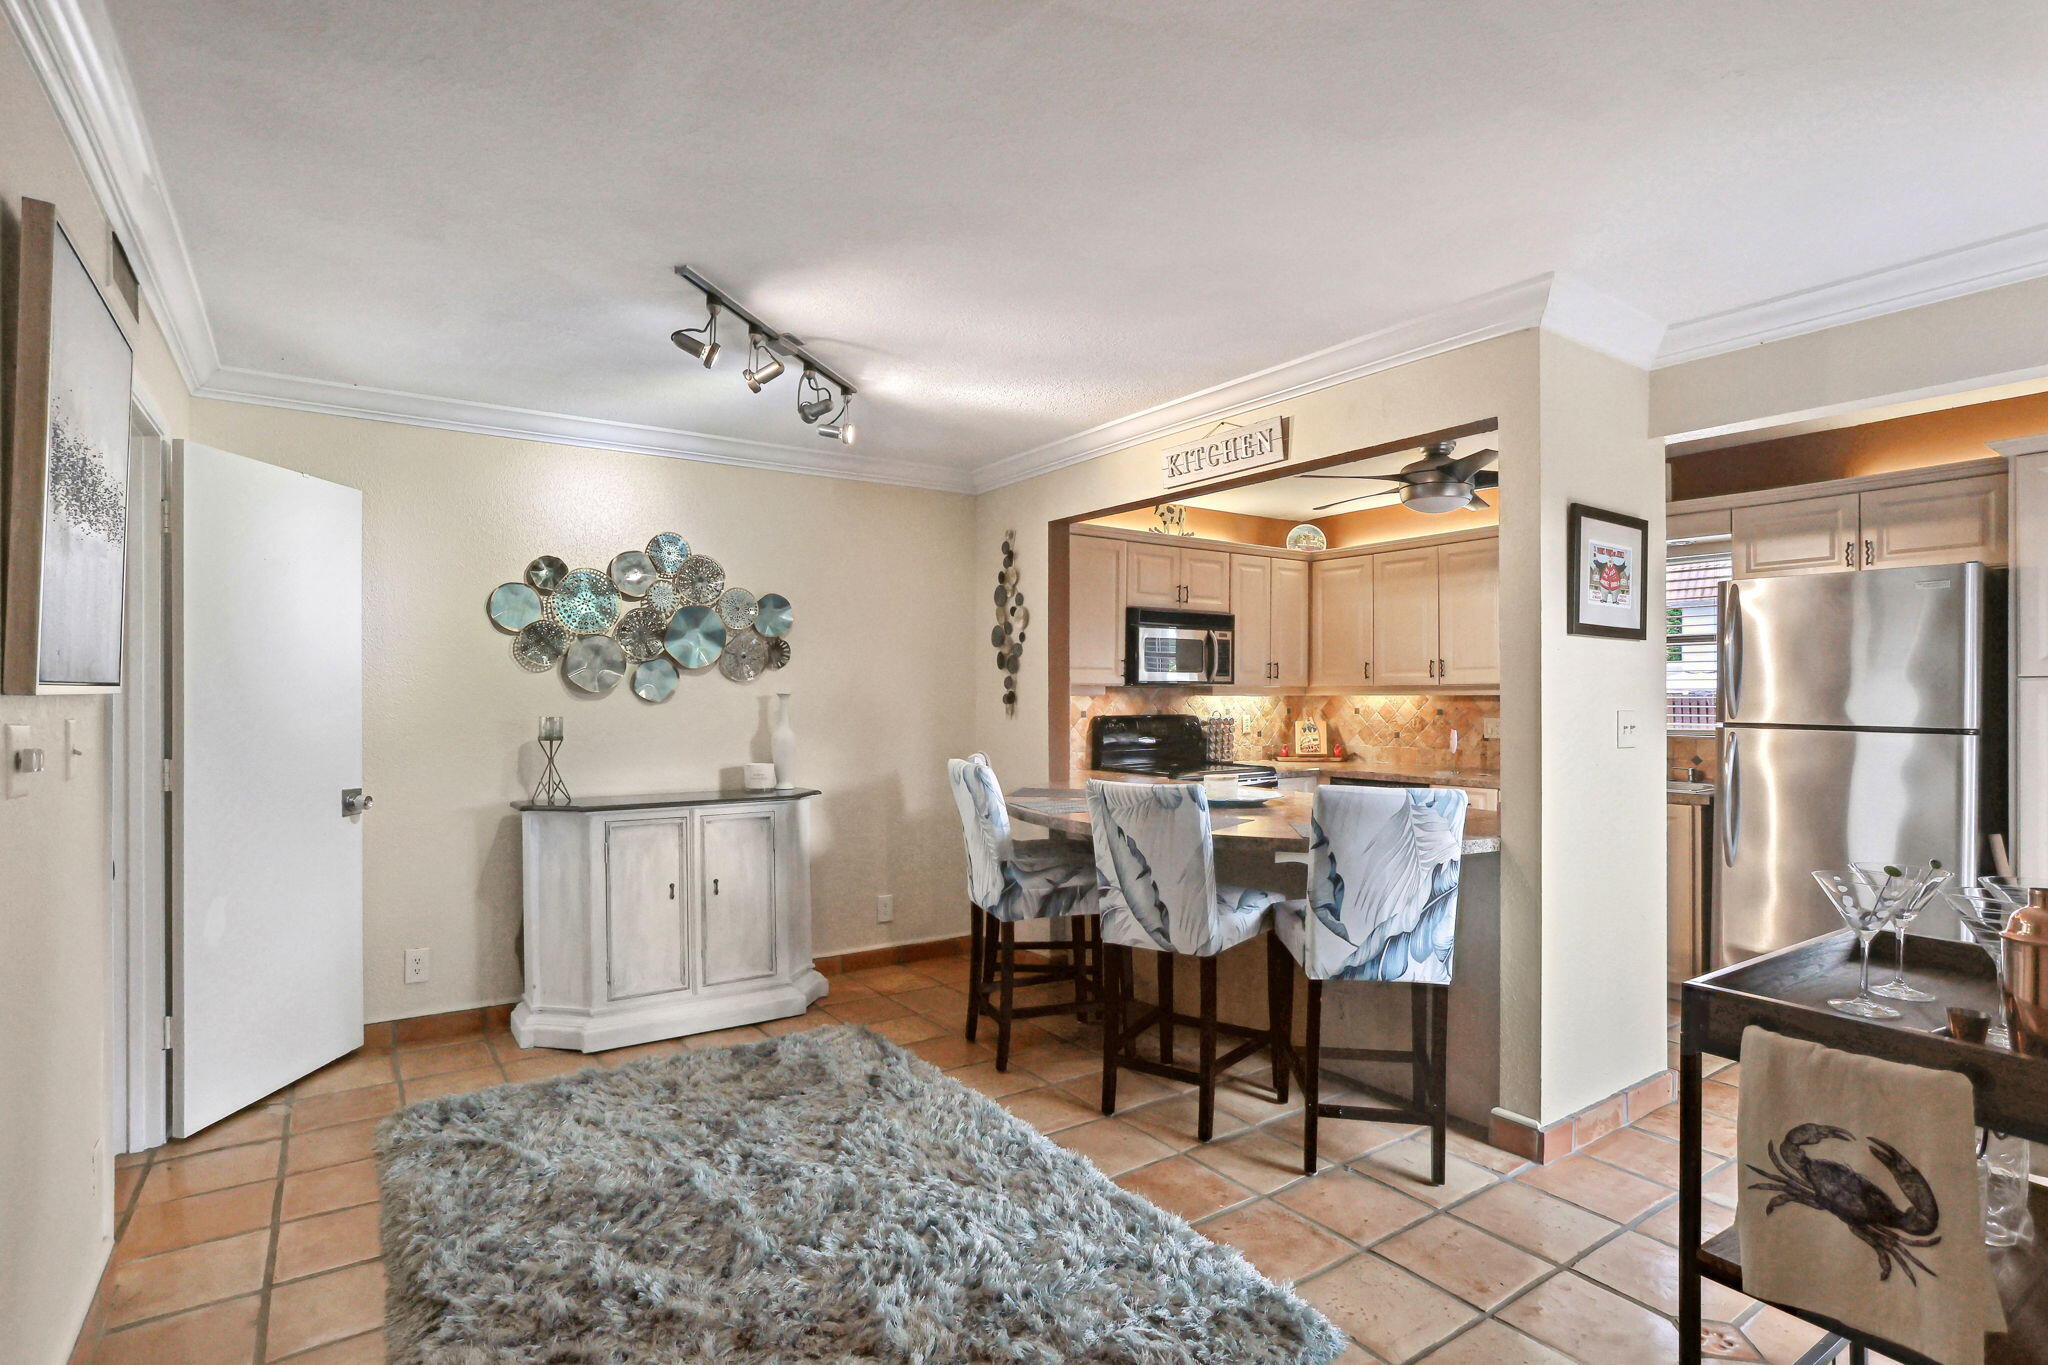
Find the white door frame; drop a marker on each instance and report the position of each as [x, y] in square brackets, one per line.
[138, 961]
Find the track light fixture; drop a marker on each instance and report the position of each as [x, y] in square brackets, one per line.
[839, 429]
[767, 353]
[819, 401]
[704, 347]
[758, 375]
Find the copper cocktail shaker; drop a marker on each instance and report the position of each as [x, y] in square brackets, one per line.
[2025, 945]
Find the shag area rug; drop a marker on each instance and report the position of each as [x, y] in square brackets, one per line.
[823, 1196]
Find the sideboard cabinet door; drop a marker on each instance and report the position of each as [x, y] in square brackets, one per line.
[737, 884]
[646, 881]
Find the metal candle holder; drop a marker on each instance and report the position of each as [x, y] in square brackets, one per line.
[552, 791]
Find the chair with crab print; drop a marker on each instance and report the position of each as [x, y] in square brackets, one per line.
[1155, 859]
[1008, 883]
[1382, 906]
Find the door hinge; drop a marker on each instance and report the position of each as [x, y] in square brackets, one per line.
[167, 1033]
[167, 775]
[165, 507]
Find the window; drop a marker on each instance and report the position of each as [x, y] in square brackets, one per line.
[1692, 623]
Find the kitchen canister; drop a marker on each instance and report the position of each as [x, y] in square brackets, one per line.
[760, 777]
[2026, 976]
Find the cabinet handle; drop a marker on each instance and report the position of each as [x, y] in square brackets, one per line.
[1849, 554]
[671, 890]
[1869, 554]
[1443, 670]
[1432, 668]
[714, 886]
[1368, 670]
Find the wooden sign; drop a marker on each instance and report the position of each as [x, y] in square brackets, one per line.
[1233, 450]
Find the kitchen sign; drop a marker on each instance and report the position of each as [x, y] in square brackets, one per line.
[1234, 451]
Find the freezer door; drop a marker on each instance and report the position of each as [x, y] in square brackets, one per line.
[1892, 648]
[1793, 801]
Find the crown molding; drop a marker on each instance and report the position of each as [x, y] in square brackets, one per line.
[2016, 256]
[71, 47]
[1516, 308]
[832, 461]
[1577, 310]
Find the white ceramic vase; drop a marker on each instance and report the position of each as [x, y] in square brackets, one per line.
[782, 743]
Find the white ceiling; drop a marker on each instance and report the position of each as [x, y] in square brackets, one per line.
[1010, 223]
[1297, 496]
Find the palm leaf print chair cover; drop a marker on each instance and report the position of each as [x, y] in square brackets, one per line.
[1155, 860]
[1382, 906]
[1008, 883]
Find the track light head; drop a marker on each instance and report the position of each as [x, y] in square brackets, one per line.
[839, 429]
[758, 376]
[705, 347]
[811, 409]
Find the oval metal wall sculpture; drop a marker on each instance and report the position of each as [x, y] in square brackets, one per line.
[1011, 619]
[656, 614]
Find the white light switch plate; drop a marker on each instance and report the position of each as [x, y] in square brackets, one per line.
[1625, 729]
[1489, 727]
[15, 783]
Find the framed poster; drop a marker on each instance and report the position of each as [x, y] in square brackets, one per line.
[69, 376]
[1605, 593]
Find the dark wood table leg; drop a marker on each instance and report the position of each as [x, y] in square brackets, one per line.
[1163, 963]
[1205, 1119]
[1112, 1018]
[974, 913]
[1688, 1201]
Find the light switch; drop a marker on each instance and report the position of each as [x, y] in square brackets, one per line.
[1625, 729]
[23, 762]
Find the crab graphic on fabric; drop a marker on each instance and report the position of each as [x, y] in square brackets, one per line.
[1869, 1212]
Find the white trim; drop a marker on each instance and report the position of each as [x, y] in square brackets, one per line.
[831, 459]
[2022, 445]
[1577, 310]
[1513, 309]
[2016, 256]
[71, 45]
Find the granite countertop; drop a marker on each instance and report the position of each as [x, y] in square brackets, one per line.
[1689, 793]
[1483, 779]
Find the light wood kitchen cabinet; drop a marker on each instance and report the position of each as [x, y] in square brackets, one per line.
[1172, 576]
[1340, 622]
[1405, 618]
[1095, 611]
[2030, 565]
[1951, 522]
[1685, 901]
[1810, 535]
[1290, 623]
[1468, 597]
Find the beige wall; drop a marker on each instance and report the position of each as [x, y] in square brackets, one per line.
[55, 1168]
[883, 671]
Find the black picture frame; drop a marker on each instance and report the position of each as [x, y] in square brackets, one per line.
[1630, 537]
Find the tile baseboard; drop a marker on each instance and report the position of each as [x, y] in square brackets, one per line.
[1560, 1139]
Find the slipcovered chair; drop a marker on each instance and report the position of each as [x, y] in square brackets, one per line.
[1155, 861]
[1382, 906]
[1008, 883]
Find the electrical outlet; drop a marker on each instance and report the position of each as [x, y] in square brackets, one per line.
[885, 909]
[1489, 727]
[415, 966]
[1624, 729]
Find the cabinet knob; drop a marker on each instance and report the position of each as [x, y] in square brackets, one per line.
[671, 890]
[714, 886]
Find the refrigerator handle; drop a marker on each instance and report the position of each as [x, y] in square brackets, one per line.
[1731, 650]
[1730, 794]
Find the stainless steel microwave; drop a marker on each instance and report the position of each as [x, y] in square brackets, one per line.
[1179, 647]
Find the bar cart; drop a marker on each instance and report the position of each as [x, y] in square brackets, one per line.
[1787, 992]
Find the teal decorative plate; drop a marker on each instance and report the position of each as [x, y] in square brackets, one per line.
[700, 580]
[640, 634]
[668, 551]
[514, 606]
[776, 614]
[737, 608]
[587, 602]
[595, 663]
[746, 654]
[633, 573]
[654, 680]
[696, 637]
[539, 645]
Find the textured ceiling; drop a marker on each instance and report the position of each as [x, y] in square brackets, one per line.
[1009, 222]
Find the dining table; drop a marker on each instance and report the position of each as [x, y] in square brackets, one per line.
[1279, 825]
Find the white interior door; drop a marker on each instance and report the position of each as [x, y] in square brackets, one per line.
[267, 712]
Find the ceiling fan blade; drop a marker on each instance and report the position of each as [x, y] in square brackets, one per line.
[1463, 468]
[1478, 501]
[1486, 478]
[1362, 497]
[1343, 476]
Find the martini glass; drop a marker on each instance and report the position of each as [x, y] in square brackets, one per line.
[1860, 907]
[1984, 915]
[1906, 890]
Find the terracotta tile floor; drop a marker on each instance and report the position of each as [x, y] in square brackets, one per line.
[257, 1240]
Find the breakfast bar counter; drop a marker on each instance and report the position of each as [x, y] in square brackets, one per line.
[1279, 826]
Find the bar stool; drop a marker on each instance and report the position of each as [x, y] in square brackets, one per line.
[1155, 859]
[1008, 883]
[1382, 906]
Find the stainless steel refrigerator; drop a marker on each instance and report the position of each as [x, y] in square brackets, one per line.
[1862, 719]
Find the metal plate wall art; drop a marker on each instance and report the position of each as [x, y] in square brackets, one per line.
[1011, 619]
[587, 602]
[699, 581]
[668, 551]
[633, 573]
[696, 637]
[656, 615]
[539, 646]
[595, 663]
[514, 606]
[737, 608]
[640, 633]
[776, 615]
[654, 680]
[746, 655]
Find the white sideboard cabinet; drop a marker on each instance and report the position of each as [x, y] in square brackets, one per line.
[657, 916]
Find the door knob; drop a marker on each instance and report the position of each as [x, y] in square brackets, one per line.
[353, 802]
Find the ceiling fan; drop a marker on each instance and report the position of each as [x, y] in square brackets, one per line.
[1434, 483]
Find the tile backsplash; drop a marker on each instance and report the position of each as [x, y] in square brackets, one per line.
[1694, 751]
[1405, 731]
